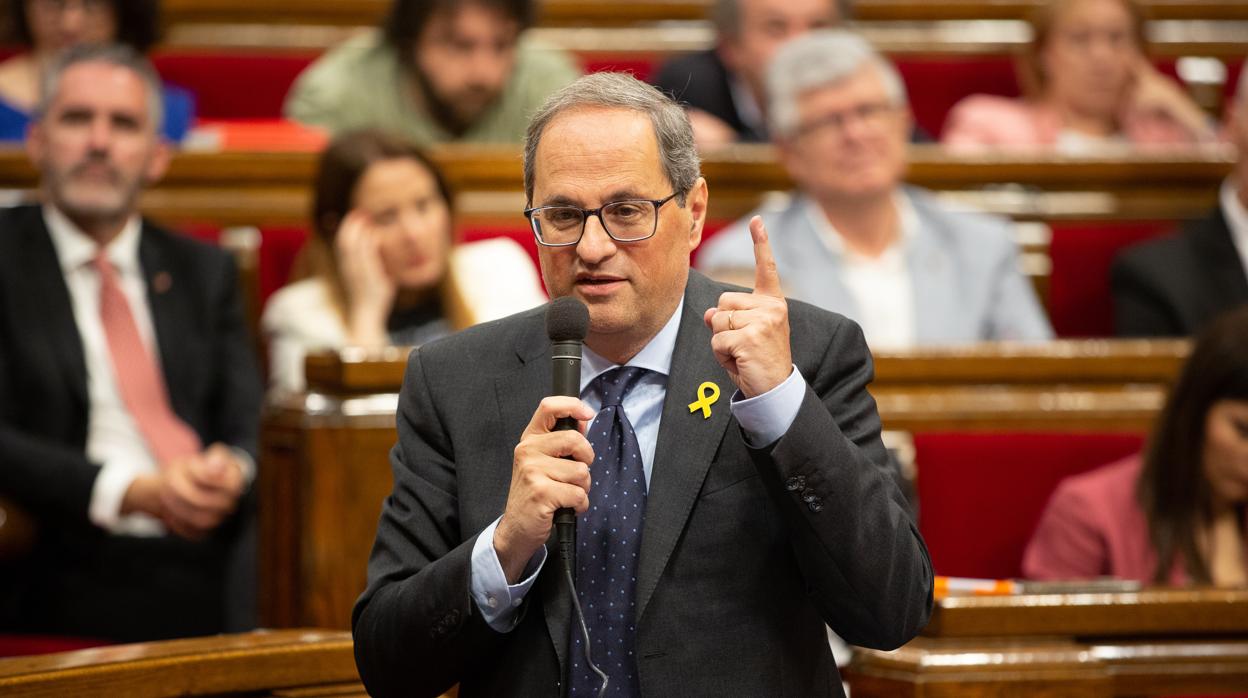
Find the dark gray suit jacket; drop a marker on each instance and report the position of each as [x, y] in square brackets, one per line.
[746, 553]
[80, 580]
[1171, 287]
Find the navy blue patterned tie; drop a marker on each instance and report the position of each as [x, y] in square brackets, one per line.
[608, 542]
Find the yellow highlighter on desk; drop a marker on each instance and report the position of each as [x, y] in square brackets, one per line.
[966, 586]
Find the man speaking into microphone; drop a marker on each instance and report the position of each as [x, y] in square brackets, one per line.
[731, 489]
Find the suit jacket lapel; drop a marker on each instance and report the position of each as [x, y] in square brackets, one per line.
[171, 312]
[687, 442]
[48, 293]
[934, 288]
[518, 393]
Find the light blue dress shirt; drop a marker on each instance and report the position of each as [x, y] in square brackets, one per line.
[764, 419]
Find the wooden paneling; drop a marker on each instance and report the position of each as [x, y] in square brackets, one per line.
[612, 13]
[1149, 612]
[253, 664]
[1148, 643]
[269, 188]
[325, 455]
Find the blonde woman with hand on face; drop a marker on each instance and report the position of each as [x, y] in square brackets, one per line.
[1088, 85]
[381, 261]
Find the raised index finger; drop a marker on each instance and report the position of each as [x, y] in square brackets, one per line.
[766, 278]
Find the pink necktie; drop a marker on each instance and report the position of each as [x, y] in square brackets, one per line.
[139, 381]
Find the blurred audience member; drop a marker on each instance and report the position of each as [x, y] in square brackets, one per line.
[383, 263]
[1176, 515]
[49, 27]
[1088, 84]
[129, 397]
[438, 70]
[854, 239]
[723, 86]
[1173, 286]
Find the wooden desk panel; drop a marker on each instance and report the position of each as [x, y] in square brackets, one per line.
[1150, 643]
[325, 468]
[257, 188]
[610, 13]
[252, 664]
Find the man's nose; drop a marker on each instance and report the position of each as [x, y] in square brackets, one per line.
[100, 135]
[595, 245]
[72, 18]
[487, 66]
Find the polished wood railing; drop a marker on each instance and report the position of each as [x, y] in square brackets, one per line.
[610, 13]
[275, 663]
[273, 188]
[1090, 644]
[325, 455]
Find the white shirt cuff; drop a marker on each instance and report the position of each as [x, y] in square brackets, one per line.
[765, 418]
[104, 508]
[245, 464]
[497, 599]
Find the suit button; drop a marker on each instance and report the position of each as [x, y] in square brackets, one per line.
[815, 506]
[795, 483]
[809, 496]
[452, 618]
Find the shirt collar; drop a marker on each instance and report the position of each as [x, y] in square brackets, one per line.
[655, 356]
[74, 248]
[907, 220]
[1236, 219]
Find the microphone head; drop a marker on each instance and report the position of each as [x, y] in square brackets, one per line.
[567, 320]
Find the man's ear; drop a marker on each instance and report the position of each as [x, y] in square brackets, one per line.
[696, 202]
[158, 162]
[35, 143]
[729, 54]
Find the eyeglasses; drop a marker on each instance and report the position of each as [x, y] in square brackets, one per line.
[632, 220]
[869, 114]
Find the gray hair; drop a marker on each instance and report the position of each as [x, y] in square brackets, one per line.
[819, 59]
[118, 55]
[726, 15]
[623, 91]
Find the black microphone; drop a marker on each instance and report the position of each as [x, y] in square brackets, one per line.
[567, 323]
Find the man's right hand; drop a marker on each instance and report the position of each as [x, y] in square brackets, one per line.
[550, 470]
[191, 496]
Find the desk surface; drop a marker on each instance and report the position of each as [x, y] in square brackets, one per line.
[258, 663]
[611, 13]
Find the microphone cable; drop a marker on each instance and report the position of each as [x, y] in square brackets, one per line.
[580, 619]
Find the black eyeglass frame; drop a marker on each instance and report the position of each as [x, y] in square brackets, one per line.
[587, 212]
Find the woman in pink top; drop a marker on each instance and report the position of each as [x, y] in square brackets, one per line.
[1176, 515]
[1088, 83]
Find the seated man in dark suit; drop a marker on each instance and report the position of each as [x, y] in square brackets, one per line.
[732, 492]
[129, 400]
[723, 86]
[1171, 287]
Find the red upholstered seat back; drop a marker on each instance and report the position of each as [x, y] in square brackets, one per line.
[982, 494]
[234, 85]
[1080, 304]
[25, 645]
[936, 83]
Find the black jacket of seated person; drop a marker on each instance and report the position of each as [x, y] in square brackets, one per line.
[78, 579]
[1173, 286]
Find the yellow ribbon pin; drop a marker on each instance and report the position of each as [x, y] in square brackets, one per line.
[708, 393]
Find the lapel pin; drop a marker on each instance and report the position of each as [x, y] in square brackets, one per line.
[708, 393]
[161, 282]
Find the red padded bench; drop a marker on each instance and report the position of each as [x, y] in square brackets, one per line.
[982, 494]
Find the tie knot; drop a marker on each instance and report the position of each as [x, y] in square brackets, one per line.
[616, 384]
[101, 262]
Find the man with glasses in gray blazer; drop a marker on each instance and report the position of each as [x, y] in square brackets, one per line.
[853, 238]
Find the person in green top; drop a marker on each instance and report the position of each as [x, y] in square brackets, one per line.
[436, 71]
